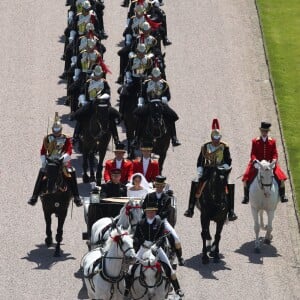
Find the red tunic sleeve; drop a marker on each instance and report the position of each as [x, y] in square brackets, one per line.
[275, 153]
[68, 146]
[108, 167]
[253, 154]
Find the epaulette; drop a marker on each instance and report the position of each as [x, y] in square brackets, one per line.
[82, 51]
[258, 138]
[147, 80]
[269, 138]
[89, 80]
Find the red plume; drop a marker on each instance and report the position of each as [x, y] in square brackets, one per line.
[215, 124]
[140, 2]
[142, 39]
[156, 62]
[154, 25]
[91, 34]
[103, 65]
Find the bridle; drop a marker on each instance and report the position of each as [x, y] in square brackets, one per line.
[128, 213]
[260, 182]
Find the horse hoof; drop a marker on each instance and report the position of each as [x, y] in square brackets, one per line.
[205, 260]
[48, 241]
[57, 253]
[92, 179]
[267, 241]
[257, 250]
[85, 178]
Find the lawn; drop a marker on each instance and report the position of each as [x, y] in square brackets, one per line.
[280, 21]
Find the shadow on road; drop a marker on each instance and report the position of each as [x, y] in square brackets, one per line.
[61, 39]
[247, 249]
[206, 271]
[43, 257]
[82, 294]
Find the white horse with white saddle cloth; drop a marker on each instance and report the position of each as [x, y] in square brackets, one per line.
[263, 196]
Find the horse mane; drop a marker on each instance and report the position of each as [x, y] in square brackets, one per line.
[113, 234]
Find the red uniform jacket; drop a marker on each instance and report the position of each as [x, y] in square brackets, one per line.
[126, 170]
[152, 171]
[49, 145]
[263, 151]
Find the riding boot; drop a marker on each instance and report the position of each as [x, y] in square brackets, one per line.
[174, 139]
[129, 281]
[74, 188]
[230, 196]
[176, 286]
[283, 198]
[246, 193]
[192, 200]
[77, 131]
[37, 188]
[166, 41]
[178, 251]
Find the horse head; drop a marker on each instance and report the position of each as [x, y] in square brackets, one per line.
[54, 176]
[216, 184]
[156, 123]
[150, 272]
[122, 242]
[265, 175]
[130, 214]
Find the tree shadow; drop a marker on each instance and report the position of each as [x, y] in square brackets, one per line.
[247, 249]
[206, 271]
[82, 294]
[44, 258]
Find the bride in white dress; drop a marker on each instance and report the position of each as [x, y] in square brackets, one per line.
[138, 187]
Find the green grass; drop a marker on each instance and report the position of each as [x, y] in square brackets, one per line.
[280, 21]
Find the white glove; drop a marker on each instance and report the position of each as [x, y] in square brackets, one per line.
[200, 172]
[225, 166]
[82, 100]
[128, 39]
[256, 165]
[154, 249]
[73, 60]
[43, 160]
[128, 77]
[140, 101]
[105, 97]
[164, 100]
[77, 72]
[70, 16]
[66, 157]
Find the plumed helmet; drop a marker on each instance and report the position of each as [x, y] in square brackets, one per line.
[91, 43]
[83, 43]
[141, 48]
[156, 72]
[145, 26]
[215, 130]
[97, 71]
[86, 5]
[90, 27]
[56, 127]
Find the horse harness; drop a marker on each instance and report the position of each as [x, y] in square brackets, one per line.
[99, 267]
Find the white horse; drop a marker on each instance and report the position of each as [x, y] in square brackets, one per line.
[264, 196]
[104, 269]
[130, 214]
[150, 281]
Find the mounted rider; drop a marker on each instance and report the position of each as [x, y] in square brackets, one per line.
[97, 92]
[149, 41]
[119, 162]
[264, 148]
[151, 229]
[162, 200]
[146, 165]
[156, 90]
[56, 145]
[213, 154]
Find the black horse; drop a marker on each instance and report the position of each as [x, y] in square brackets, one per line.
[55, 200]
[155, 129]
[213, 205]
[94, 138]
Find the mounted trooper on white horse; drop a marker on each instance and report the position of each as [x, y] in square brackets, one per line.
[264, 196]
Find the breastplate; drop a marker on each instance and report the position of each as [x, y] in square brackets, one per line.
[57, 145]
[88, 60]
[136, 24]
[214, 156]
[95, 86]
[155, 89]
[83, 20]
[139, 66]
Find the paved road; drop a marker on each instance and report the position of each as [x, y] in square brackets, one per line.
[216, 68]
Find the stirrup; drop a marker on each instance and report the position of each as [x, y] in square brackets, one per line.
[245, 200]
[32, 201]
[284, 199]
[180, 293]
[232, 216]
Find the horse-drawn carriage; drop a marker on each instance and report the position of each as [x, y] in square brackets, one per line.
[96, 208]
